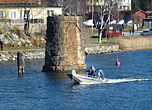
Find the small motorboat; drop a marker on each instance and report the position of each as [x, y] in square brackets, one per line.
[98, 78]
[86, 79]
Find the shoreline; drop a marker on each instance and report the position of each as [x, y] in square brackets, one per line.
[29, 54]
[101, 49]
[11, 55]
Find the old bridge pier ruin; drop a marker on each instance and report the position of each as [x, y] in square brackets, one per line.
[64, 44]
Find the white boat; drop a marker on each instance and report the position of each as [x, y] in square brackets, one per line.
[85, 79]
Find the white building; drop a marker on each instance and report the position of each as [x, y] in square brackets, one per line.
[16, 11]
[16, 14]
[124, 5]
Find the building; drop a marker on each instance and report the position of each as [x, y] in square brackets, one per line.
[138, 18]
[17, 12]
[96, 7]
[124, 5]
[82, 7]
[36, 13]
[121, 4]
[147, 23]
[113, 30]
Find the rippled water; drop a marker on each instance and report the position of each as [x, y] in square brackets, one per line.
[55, 91]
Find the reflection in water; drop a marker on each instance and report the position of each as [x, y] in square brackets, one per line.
[62, 76]
[57, 76]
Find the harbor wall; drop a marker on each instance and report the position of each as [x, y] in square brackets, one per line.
[135, 43]
[28, 54]
[101, 49]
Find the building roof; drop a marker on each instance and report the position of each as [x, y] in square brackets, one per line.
[142, 11]
[19, 1]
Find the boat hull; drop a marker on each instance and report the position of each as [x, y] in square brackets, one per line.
[85, 79]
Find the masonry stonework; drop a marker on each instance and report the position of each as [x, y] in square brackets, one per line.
[64, 44]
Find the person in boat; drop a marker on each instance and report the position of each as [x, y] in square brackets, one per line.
[92, 71]
[73, 71]
[100, 73]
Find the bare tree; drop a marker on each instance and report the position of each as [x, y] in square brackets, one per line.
[69, 6]
[27, 11]
[26, 19]
[105, 14]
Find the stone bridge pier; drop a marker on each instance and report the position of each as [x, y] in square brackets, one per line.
[64, 44]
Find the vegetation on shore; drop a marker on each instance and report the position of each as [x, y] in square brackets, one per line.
[14, 38]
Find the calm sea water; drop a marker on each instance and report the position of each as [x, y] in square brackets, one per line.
[37, 90]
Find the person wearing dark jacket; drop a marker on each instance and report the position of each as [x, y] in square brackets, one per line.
[92, 71]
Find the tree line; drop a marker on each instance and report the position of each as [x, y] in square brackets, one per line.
[142, 4]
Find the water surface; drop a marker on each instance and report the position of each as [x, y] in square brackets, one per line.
[37, 90]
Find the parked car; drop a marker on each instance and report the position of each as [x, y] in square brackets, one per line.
[146, 32]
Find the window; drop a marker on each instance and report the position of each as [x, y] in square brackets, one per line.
[120, 7]
[13, 14]
[50, 12]
[37, 21]
[21, 14]
[27, 14]
[1, 14]
[124, 7]
[117, 30]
